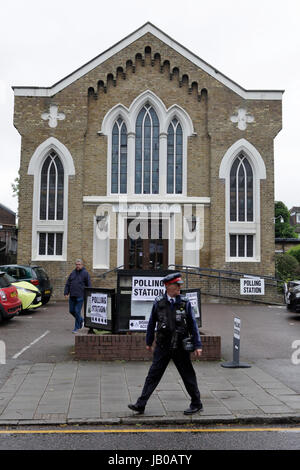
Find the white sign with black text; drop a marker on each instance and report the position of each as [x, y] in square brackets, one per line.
[147, 288]
[252, 286]
[99, 308]
[193, 298]
[138, 325]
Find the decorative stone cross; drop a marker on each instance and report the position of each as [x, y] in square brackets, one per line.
[242, 119]
[53, 116]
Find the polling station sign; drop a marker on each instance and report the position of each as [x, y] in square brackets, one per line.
[252, 286]
[147, 288]
[99, 308]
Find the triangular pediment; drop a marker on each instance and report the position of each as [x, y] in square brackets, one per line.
[148, 28]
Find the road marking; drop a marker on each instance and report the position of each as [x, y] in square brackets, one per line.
[116, 431]
[31, 344]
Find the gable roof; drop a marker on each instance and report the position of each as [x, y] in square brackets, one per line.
[148, 28]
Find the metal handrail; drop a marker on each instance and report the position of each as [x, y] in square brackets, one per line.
[220, 271]
[103, 275]
[235, 276]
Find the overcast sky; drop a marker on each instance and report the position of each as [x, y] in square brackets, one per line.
[256, 43]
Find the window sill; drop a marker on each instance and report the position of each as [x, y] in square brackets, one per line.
[50, 258]
[242, 260]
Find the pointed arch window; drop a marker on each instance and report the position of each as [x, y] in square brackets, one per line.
[52, 188]
[147, 152]
[174, 157]
[119, 158]
[241, 190]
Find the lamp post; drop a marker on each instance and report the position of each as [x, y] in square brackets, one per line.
[278, 217]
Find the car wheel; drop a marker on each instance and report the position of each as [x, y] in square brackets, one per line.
[45, 300]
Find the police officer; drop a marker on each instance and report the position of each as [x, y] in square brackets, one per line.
[176, 325]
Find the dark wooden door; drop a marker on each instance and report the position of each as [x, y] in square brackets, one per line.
[150, 250]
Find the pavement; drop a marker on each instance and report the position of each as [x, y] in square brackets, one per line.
[90, 392]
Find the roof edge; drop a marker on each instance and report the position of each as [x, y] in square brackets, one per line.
[146, 28]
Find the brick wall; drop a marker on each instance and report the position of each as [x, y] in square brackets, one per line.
[131, 347]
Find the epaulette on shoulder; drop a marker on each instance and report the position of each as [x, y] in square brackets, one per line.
[160, 297]
[184, 298]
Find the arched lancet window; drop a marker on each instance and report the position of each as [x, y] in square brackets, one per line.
[119, 158]
[147, 152]
[174, 157]
[241, 190]
[52, 188]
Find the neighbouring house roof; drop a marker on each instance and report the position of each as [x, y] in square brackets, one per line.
[148, 28]
[2, 206]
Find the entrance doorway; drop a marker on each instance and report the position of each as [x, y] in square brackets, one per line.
[146, 245]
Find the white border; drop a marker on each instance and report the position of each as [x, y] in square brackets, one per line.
[129, 115]
[245, 228]
[148, 28]
[34, 168]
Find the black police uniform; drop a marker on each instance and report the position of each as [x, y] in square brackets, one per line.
[174, 323]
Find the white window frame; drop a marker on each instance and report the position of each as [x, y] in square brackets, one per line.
[49, 226]
[243, 228]
[165, 116]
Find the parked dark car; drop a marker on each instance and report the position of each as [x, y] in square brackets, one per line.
[292, 296]
[10, 304]
[34, 274]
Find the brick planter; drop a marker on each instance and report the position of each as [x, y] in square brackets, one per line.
[132, 347]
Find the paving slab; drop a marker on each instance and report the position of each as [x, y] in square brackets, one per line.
[99, 392]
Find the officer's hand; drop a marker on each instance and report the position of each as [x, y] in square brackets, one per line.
[149, 348]
[198, 352]
[66, 296]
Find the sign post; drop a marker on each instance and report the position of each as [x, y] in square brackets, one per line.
[236, 347]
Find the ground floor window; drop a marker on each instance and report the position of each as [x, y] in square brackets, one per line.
[241, 246]
[50, 243]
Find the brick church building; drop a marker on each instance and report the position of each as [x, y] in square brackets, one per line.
[146, 135]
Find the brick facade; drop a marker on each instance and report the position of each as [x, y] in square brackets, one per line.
[147, 63]
[131, 347]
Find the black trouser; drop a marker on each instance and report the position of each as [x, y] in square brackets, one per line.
[183, 363]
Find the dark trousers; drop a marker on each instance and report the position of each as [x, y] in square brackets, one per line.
[183, 363]
[75, 306]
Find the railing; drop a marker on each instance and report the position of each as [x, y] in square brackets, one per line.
[226, 284]
[114, 270]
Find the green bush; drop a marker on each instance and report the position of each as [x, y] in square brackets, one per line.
[287, 267]
[295, 252]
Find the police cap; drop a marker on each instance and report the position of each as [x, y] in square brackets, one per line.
[172, 279]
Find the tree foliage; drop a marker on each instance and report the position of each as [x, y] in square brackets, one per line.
[295, 252]
[287, 267]
[283, 229]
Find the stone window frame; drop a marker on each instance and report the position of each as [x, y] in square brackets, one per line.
[165, 117]
[122, 155]
[147, 151]
[52, 201]
[240, 227]
[240, 209]
[49, 226]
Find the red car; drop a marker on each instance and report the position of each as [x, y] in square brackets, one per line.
[10, 304]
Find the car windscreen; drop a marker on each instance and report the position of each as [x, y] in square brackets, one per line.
[9, 278]
[3, 281]
[18, 272]
[41, 273]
